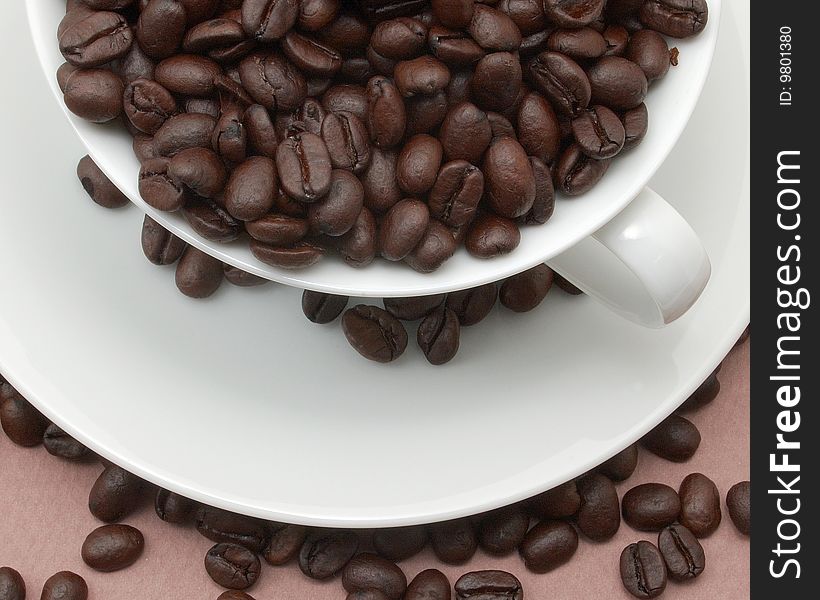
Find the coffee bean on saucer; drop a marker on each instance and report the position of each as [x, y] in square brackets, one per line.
[12, 586]
[560, 502]
[700, 505]
[198, 275]
[548, 545]
[490, 236]
[400, 543]
[238, 277]
[232, 566]
[599, 516]
[98, 186]
[621, 466]
[502, 530]
[636, 124]
[172, 507]
[224, 526]
[112, 547]
[325, 553]
[439, 335]
[65, 585]
[115, 494]
[648, 49]
[675, 18]
[374, 333]
[738, 501]
[489, 584]
[23, 423]
[706, 392]
[59, 443]
[650, 506]
[322, 308]
[675, 438]
[524, 291]
[285, 543]
[454, 542]
[370, 571]
[643, 571]
[682, 552]
[94, 95]
[430, 584]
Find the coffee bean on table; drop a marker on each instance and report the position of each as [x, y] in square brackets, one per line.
[23, 423]
[399, 543]
[374, 333]
[675, 438]
[59, 443]
[285, 543]
[599, 516]
[115, 494]
[12, 586]
[700, 505]
[234, 595]
[548, 545]
[159, 245]
[472, 305]
[224, 526]
[650, 506]
[643, 571]
[370, 571]
[560, 502]
[94, 95]
[675, 18]
[682, 552]
[524, 291]
[198, 275]
[454, 542]
[172, 507]
[495, 585]
[706, 392]
[232, 566]
[621, 466]
[98, 186]
[322, 308]
[430, 584]
[112, 547]
[490, 236]
[502, 530]
[738, 501]
[367, 595]
[65, 585]
[325, 553]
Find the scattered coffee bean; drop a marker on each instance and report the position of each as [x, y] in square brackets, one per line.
[374, 333]
[285, 543]
[643, 571]
[65, 585]
[322, 308]
[492, 585]
[621, 466]
[523, 292]
[676, 439]
[159, 245]
[115, 494]
[172, 507]
[232, 566]
[706, 392]
[23, 423]
[650, 506]
[430, 584]
[112, 547]
[198, 275]
[548, 545]
[700, 505]
[439, 335]
[599, 516]
[372, 572]
[738, 501]
[413, 308]
[325, 553]
[399, 543]
[501, 531]
[682, 552]
[560, 502]
[240, 278]
[12, 586]
[98, 186]
[454, 542]
[223, 526]
[234, 595]
[471, 306]
[59, 443]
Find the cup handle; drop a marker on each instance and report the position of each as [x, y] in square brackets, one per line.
[646, 264]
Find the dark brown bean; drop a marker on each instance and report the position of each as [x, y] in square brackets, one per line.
[675, 438]
[573, 13]
[494, 30]
[502, 530]
[198, 275]
[325, 553]
[358, 246]
[496, 82]
[97, 185]
[617, 83]
[259, 130]
[454, 542]
[509, 180]
[738, 501]
[400, 543]
[172, 507]
[538, 129]
[456, 193]
[157, 188]
[298, 256]
[12, 586]
[311, 56]
[425, 113]
[643, 571]
[229, 139]
[347, 141]
[616, 37]
[315, 15]
[473, 305]
[548, 545]
[621, 466]
[599, 516]
[223, 526]
[210, 220]
[184, 131]
[430, 584]
[675, 18]
[705, 394]
[490, 236]
[579, 44]
[636, 123]
[424, 76]
[148, 105]
[577, 173]
[273, 81]
[95, 39]
[285, 543]
[200, 170]
[465, 133]
[682, 553]
[346, 98]
[65, 585]
[251, 189]
[454, 13]
[649, 50]
[94, 94]
[544, 204]
[161, 28]
[336, 213]
[700, 505]
[436, 247]
[560, 502]
[269, 20]
[599, 132]
[402, 228]
[455, 48]
[526, 290]
[188, 74]
[402, 38]
[386, 116]
[561, 80]
[238, 277]
[303, 163]
[22, 422]
[234, 595]
[418, 164]
[232, 566]
[115, 494]
[492, 585]
[112, 547]
[438, 337]
[650, 506]
[322, 308]
[372, 572]
[413, 308]
[59, 443]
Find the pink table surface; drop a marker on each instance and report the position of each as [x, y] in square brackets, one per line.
[44, 520]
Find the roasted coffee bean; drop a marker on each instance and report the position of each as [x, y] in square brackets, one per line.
[367, 595]
[493, 30]
[347, 98]
[523, 292]
[548, 545]
[649, 50]
[374, 333]
[59, 443]
[458, 90]
[424, 76]
[380, 64]
[358, 246]
[502, 530]
[188, 74]
[573, 13]
[372, 572]
[413, 308]
[223, 526]
[94, 94]
[311, 56]
[115, 494]
[229, 139]
[325, 553]
[198, 275]
[277, 230]
[561, 80]
[402, 228]
[650, 506]
[454, 48]
[269, 20]
[436, 247]
[617, 38]
[599, 516]
[402, 38]
[234, 595]
[64, 71]
[347, 141]
[161, 28]
[636, 123]
[418, 164]
[400, 543]
[496, 82]
[544, 204]
[216, 37]
[322, 308]
[456, 193]
[675, 438]
[599, 132]
[285, 543]
[12, 586]
[157, 188]
[336, 213]
[272, 81]
[356, 69]
[438, 337]
[454, 13]
[528, 15]
[199, 170]
[738, 501]
[96, 39]
[425, 113]
[65, 585]
[98, 186]
[706, 392]
[643, 571]
[251, 189]
[260, 131]
[232, 566]
[465, 133]
[490, 236]
[472, 305]
[199, 10]
[303, 163]
[675, 18]
[430, 584]
[700, 505]
[489, 585]
[500, 125]
[112, 547]
[148, 105]
[617, 83]
[538, 129]
[386, 116]
[210, 220]
[238, 277]
[577, 173]
[621, 466]
[509, 180]
[558, 503]
[184, 131]
[454, 542]
[535, 43]
[579, 44]
[173, 508]
[315, 15]
[349, 33]
[682, 553]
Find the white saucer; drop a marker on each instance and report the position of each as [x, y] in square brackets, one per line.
[238, 401]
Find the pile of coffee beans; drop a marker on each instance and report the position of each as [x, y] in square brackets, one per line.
[399, 129]
[545, 530]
